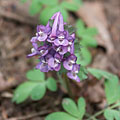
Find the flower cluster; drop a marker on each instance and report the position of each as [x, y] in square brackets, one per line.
[57, 48]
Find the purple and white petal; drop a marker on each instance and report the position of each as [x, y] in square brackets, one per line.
[73, 76]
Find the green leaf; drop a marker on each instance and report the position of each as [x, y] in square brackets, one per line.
[51, 84]
[91, 31]
[81, 107]
[48, 2]
[88, 41]
[35, 75]
[38, 92]
[70, 107]
[82, 73]
[60, 116]
[80, 25]
[70, 6]
[23, 1]
[44, 16]
[84, 58]
[112, 114]
[78, 2]
[64, 13]
[112, 90]
[101, 73]
[35, 7]
[23, 91]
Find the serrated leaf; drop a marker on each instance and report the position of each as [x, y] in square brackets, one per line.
[81, 107]
[35, 7]
[112, 114]
[35, 75]
[101, 73]
[23, 91]
[48, 2]
[112, 90]
[38, 91]
[70, 6]
[82, 73]
[70, 107]
[51, 84]
[60, 116]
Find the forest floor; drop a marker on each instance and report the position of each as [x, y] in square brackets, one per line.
[16, 29]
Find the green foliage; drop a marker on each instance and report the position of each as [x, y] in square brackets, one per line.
[35, 87]
[70, 6]
[23, 1]
[47, 13]
[83, 57]
[51, 84]
[81, 107]
[47, 8]
[60, 116]
[70, 107]
[35, 7]
[112, 87]
[86, 36]
[48, 2]
[38, 92]
[112, 90]
[35, 75]
[82, 73]
[111, 114]
[73, 112]
[23, 91]
[101, 73]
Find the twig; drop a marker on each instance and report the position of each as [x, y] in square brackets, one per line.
[30, 115]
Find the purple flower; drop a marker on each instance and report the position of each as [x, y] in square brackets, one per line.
[73, 73]
[71, 44]
[61, 39]
[69, 62]
[43, 50]
[34, 50]
[54, 62]
[52, 36]
[43, 65]
[42, 32]
[57, 45]
[61, 49]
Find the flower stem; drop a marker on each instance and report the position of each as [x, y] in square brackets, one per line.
[67, 84]
[102, 111]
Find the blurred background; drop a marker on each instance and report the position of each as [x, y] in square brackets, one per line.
[18, 20]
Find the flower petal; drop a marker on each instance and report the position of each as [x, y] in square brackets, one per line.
[72, 76]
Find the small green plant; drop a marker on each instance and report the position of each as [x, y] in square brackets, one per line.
[86, 40]
[61, 51]
[35, 87]
[46, 8]
[73, 111]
